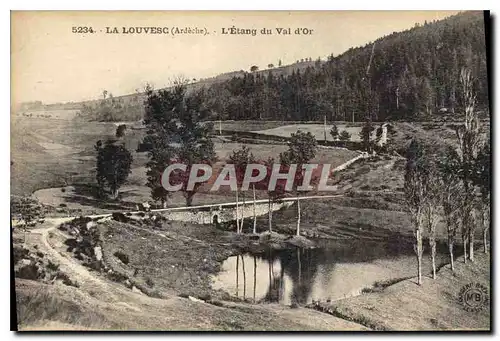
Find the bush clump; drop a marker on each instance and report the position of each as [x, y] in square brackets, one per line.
[118, 216]
[123, 257]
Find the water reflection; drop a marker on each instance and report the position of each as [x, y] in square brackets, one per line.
[301, 275]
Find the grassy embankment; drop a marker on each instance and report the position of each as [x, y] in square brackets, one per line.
[435, 305]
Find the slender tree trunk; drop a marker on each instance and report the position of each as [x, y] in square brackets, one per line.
[485, 240]
[433, 258]
[299, 261]
[485, 230]
[464, 241]
[432, 238]
[244, 277]
[298, 215]
[282, 283]
[471, 244]
[451, 229]
[419, 270]
[471, 230]
[242, 223]
[450, 249]
[419, 250]
[270, 276]
[189, 198]
[237, 215]
[237, 273]
[254, 277]
[254, 211]
[270, 216]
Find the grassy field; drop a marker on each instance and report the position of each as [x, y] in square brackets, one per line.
[317, 130]
[50, 152]
[65, 178]
[246, 125]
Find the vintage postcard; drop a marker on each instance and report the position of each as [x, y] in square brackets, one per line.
[250, 171]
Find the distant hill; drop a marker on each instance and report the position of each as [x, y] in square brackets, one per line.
[193, 84]
[130, 107]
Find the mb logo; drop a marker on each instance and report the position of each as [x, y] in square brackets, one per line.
[474, 297]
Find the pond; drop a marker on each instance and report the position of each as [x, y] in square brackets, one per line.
[333, 271]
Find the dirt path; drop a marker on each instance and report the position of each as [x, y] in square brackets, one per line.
[75, 270]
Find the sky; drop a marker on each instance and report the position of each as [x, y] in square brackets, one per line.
[51, 64]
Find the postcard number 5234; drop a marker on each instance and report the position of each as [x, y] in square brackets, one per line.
[82, 29]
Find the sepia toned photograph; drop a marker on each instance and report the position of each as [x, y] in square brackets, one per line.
[250, 171]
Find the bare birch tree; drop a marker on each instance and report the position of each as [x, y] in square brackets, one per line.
[302, 148]
[451, 200]
[415, 199]
[483, 180]
[275, 195]
[432, 195]
[486, 225]
[254, 230]
[240, 158]
[469, 142]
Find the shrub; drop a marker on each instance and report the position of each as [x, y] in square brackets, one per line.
[52, 266]
[30, 271]
[334, 132]
[344, 136]
[66, 280]
[123, 257]
[117, 277]
[118, 216]
[20, 253]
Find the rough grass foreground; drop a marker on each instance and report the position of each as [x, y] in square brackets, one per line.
[433, 306]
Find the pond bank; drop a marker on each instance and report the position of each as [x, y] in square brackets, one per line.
[435, 305]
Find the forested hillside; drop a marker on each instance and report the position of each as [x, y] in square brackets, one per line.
[406, 75]
[401, 76]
